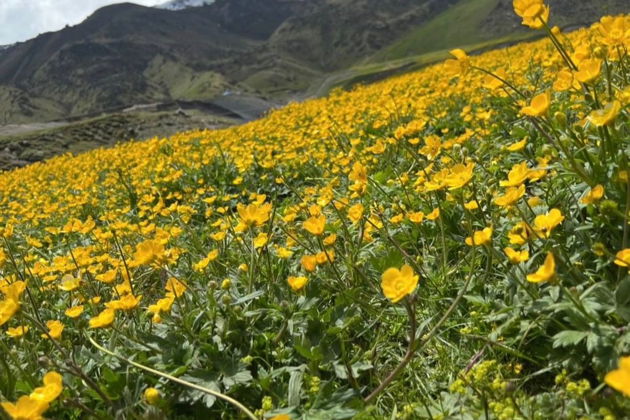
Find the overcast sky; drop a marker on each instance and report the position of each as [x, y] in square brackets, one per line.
[24, 19]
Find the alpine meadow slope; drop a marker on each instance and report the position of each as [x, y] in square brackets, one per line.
[449, 243]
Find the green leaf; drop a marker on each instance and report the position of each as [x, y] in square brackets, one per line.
[304, 352]
[622, 299]
[242, 377]
[206, 380]
[249, 297]
[568, 338]
[295, 387]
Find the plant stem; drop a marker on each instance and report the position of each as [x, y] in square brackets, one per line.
[216, 394]
[412, 349]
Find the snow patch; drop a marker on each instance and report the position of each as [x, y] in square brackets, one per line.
[184, 4]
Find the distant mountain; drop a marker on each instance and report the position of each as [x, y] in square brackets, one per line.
[184, 4]
[126, 54]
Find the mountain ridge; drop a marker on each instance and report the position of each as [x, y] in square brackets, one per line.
[183, 4]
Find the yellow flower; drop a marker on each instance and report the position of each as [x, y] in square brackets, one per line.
[534, 201]
[330, 239]
[53, 385]
[358, 173]
[17, 331]
[565, 80]
[545, 223]
[534, 12]
[471, 205]
[8, 308]
[175, 287]
[459, 176]
[588, 70]
[355, 213]
[55, 328]
[284, 253]
[519, 234]
[219, 236]
[397, 284]
[315, 225]
[480, 237]
[152, 396]
[126, 302]
[516, 257]
[545, 272]
[540, 171]
[432, 146]
[212, 255]
[416, 217]
[594, 194]
[511, 196]
[619, 378]
[26, 408]
[108, 276]
[613, 30]
[13, 291]
[148, 252]
[517, 175]
[460, 65]
[252, 215]
[434, 214]
[324, 257]
[519, 145]
[622, 258]
[69, 283]
[74, 311]
[492, 82]
[397, 218]
[297, 283]
[281, 417]
[104, 319]
[309, 262]
[528, 8]
[538, 105]
[606, 116]
[261, 240]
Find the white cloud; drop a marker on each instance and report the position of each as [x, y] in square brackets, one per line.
[24, 19]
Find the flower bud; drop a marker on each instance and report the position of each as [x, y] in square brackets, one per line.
[560, 118]
[152, 396]
[608, 207]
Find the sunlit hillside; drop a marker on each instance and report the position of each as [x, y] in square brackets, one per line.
[448, 244]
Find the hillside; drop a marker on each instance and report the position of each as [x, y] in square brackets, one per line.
[482, 23]
[125, 54]
[452, 243]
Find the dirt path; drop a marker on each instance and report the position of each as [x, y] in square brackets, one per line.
[16, 129]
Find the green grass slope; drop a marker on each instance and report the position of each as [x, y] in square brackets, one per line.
[459, 25]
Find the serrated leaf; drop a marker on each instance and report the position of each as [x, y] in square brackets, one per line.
[568, 338]
[241, 377]
[202, 379]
